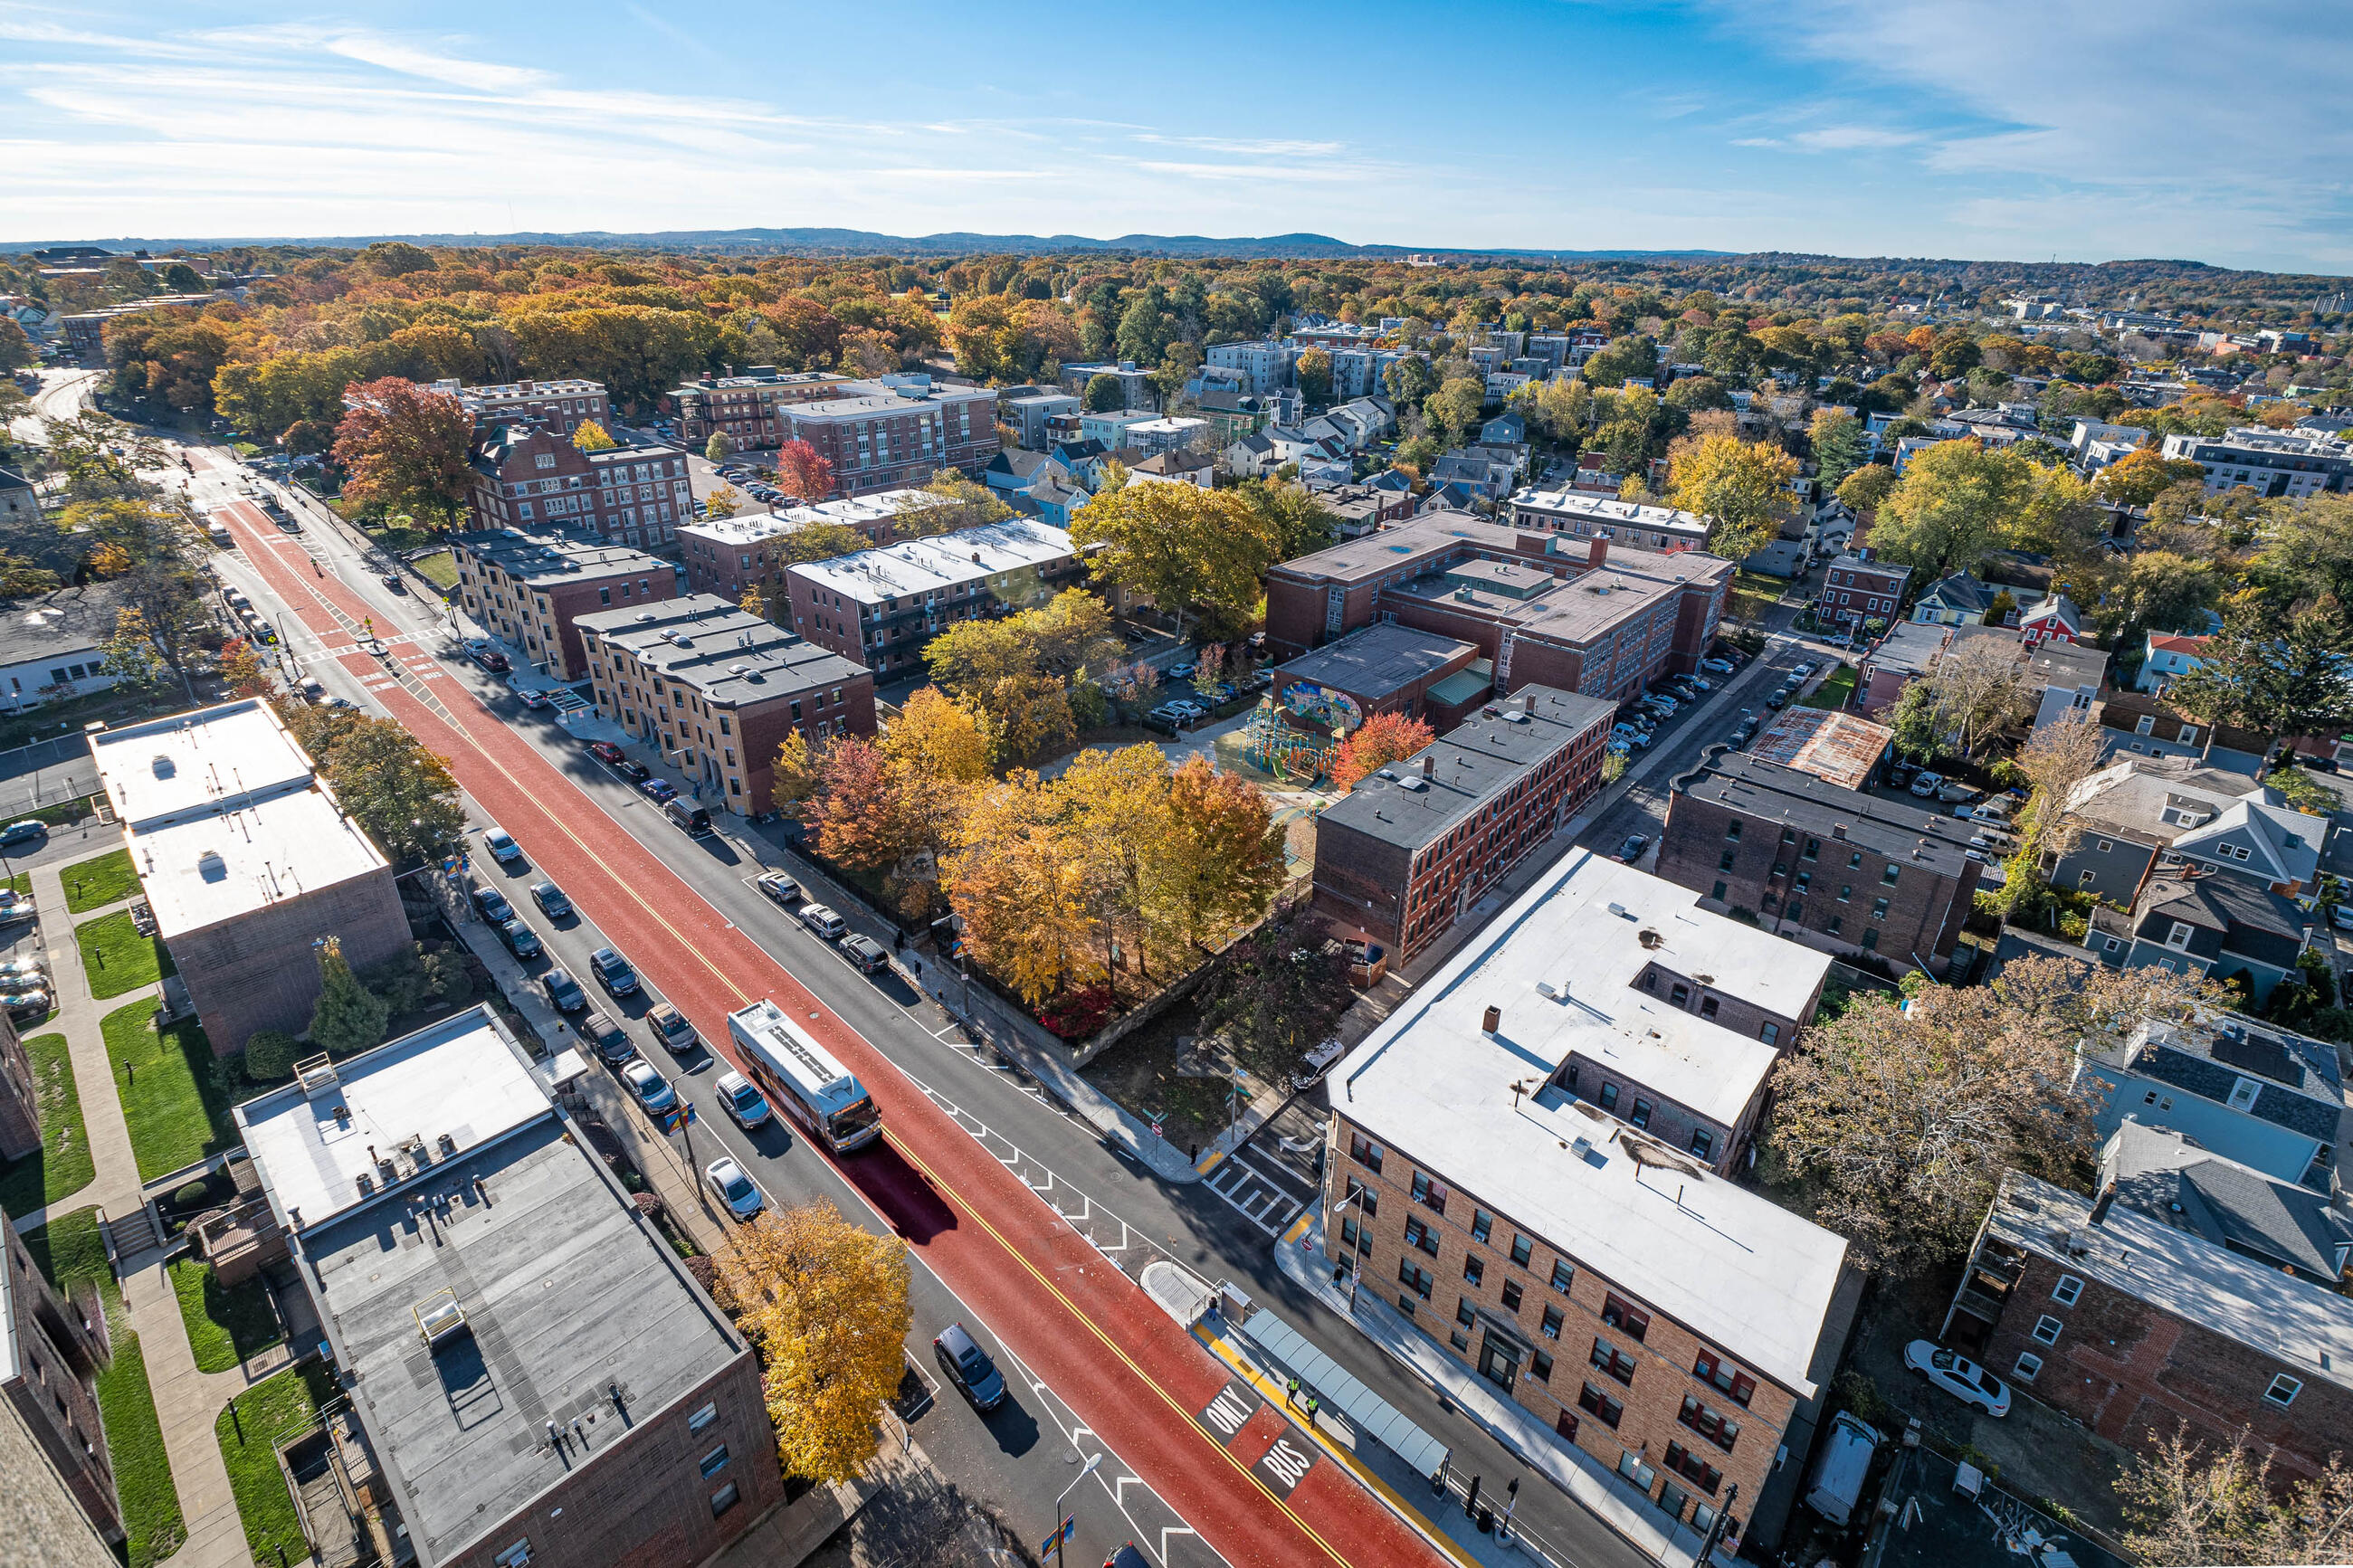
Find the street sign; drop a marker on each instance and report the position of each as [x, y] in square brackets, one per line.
[1156, 1129]
[1060, 1534]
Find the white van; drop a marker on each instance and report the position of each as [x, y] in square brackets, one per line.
[1843, 1466]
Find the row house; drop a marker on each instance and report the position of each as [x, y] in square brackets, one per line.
[531, 589]
[879, 608]
[731, 555]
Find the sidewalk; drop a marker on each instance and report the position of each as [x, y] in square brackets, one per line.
[1584, 1479]
[187, 1401]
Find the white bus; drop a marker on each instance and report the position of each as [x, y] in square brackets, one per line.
[802, 1078]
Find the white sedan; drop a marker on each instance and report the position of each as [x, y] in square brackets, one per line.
[739, 1191]
[1959, 1376]
[652, 1089]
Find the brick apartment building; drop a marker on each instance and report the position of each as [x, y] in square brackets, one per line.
[1857, 588]
[1627, 524]
[1524, 1160]
[886, 439]
[246, 859]
[558, 407]
[729, 554]
[530, 480]
[2192, 1288]
[51, 1350]
[745, 408]
[1414, 846]
[534, 1372]
[1576, 615]
[1825, 865]
[719, 689]
[530, 588]
[20, 1097]
[880, 607]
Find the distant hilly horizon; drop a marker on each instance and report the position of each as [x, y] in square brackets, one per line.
[867, 242]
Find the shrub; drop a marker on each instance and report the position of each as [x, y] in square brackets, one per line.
[269, 1056]
[402, 981]
[1079, 1015]
[193, 1193]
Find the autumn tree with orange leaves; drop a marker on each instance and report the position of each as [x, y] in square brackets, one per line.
[1383, 739]
[802, 471]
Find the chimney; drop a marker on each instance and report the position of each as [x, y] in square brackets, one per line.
[1597, 554]
[1528, 702]
[1492, 1020]
[1428, 767]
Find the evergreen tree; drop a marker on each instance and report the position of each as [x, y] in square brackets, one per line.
[349, 1016]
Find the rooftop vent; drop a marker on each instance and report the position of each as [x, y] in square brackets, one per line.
[1651, 938]
[1492, 1020]
[1417, 785]
[439, 1319]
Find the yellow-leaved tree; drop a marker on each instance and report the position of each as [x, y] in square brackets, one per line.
[1020, 882]
[591, 437]
[1741, 487]
[826, 1303]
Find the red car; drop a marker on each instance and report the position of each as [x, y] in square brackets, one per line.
[605, 751]
[492, 660]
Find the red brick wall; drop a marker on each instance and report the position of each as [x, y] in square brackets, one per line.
[567, 604]
[765, 728]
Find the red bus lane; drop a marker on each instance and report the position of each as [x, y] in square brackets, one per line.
[1131, 1372]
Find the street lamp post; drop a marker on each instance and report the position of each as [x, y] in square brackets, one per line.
[1061, 1526]
[1354, 1270]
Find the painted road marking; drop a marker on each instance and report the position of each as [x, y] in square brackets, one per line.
[1285, 1465]
[1229, 1412]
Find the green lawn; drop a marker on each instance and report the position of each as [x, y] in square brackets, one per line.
[250, 1429]
[98, 881]
[69, 1250]
[115, 958]
[1836, 689]
[225, 1324]
[440, 568]
[176, 1112]
[62, 1166]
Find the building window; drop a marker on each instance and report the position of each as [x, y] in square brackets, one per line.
[1769, 1032]
[518, 1554]
[1540, 1366]
[1362, 1149]
[1417, 1277]
[1609, 1359]
[1421, 1237]
[1610, 1097]
[1641, 1117]
[2284, 1390]
[1561, 1275]
[1871, 940]
[1680, 995]
[1521, 1250]
[1552, 1322]
[1708, 1367]
[2047, 1329]
[1718, 894]
[722, 1499]
[715, 1461]
[1481, 1222]
[2178, 936]
[1693, 1468]
[1725, 861]
[1709, 1425]
[1475, 1270]
[1429, 1192]
[2068, 1290]
[2243, 1092]
[1703, 1142]
[1600, 1407]
[1732, 832]
[701, 1418]
[1511, 1295]
[1624, 1316]
[2026, 1366]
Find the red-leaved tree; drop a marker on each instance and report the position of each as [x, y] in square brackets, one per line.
[1383, 739]
[403, 445]
[802, 472]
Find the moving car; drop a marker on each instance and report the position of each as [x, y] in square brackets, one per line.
[391, 581]
[1959, 1376]
[824, 923]
[1632, 851]
[531, 697]
[865, 952]
[779, 887]
[736, 1190]
[969, 1368]
[520, 940]
[605, 751]
[563, 992]
[670, 1027]
[652, 1089]
[503, 846]
[606, 1038]
[23, 831]
[613, 971]
[747, 1105]
[551, 901]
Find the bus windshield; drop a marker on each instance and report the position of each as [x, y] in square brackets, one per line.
[848, 1125]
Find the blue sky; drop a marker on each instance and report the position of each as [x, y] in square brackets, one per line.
[2087, 128]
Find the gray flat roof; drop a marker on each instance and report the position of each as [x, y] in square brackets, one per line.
[70, 621]
[1756, 788]
[1473, 763]
[1374, 661]
[558, 556]
[567, 1294]
[733, 657]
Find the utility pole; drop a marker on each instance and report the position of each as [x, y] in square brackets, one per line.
[1716, 1531]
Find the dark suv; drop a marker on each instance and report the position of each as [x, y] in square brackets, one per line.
[613, 971]
[969, 1368]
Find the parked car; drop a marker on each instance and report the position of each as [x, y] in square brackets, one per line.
[1717, 666]
[1182, 671]
[1954, 789]
[562, 991]
[613, 971]
[779, 887]
[520, 940]
[1959, 1376]
[23, 831]
[605, 752]
[635, 771]
[747, 1105]
[1802, 669]
[22, 974]
[551, 901]
[1632, 851]
[492, 906]
[1700, 681]
[503, 846]
[492, 660]
[2341, 917]
[1779, 699]
[736, 1190]
[25, 1007]
[1843, 1466]
[865, 952]
[670, 1027]
[969, 1368]
[660, 791]
[531, 697]
[1925, 783]
[824, 923]
[652, 1089]
[606, 1038]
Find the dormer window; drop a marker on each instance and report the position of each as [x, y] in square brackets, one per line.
[2178, 938]
[2243, 1093]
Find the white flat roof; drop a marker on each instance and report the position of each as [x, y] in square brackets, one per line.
[460, 1077]
[941, 560]
[753, 527]
[222, 814]
[1734, 1268]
